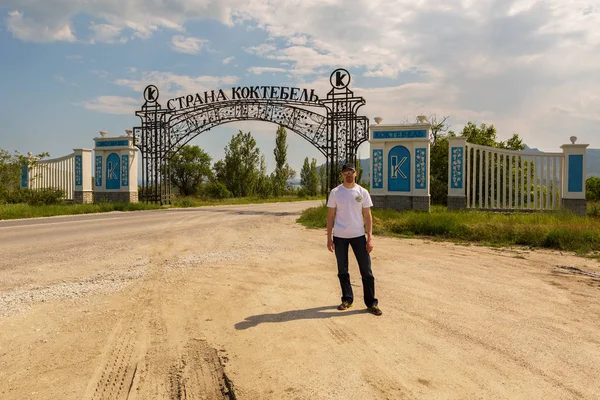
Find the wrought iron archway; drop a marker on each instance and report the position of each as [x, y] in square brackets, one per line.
[337, 134]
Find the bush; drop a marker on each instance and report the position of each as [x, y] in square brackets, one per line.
[185, 203]
[593, 209]
[592, 189]
[217, 190]
[36, 197]
[302, 193]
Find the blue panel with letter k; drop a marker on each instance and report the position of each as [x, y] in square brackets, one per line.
[399, 169]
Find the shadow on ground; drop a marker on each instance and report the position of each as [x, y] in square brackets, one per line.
[294, 315]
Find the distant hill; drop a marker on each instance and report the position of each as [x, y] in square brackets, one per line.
[592, 164]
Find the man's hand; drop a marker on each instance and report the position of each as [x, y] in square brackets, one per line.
[370, 245]
[330, 244]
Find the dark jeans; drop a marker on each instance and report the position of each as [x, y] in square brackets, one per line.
[359, 247]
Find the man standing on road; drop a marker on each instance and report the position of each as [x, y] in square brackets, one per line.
[348, 212]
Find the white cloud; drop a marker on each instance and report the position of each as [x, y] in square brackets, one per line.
[298, 40]
[106, 33]
[188, 45]
[113, 105]
[261, 70]
[228, 60]
[173, 85]
[511, 62]
[261, 49]
[28, 30]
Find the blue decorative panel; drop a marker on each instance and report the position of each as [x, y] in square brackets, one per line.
[457, 168]
[125, 170]
[78, 170]
[98, 172]
[419, 134]
[576, 173]
[113, 171]
[421, 168]
[377, 169]
[399, 169]
[24, 175]
[113, 143]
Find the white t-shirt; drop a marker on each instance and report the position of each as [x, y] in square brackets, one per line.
[349, 204]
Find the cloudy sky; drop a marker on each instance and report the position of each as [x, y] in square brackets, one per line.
[70, 68]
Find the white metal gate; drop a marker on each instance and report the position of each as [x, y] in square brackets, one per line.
[57, 173]
[498, 179]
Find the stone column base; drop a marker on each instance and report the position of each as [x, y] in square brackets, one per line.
[83, 197]
[116, 197]
[576, 206]
[457, 203]
[401, 203]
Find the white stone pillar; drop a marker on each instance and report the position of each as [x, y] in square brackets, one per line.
[457, 152]
[83, 192]
[574, 177]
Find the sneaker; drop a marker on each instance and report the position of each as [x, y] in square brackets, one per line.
[344, 306]
[375, 310]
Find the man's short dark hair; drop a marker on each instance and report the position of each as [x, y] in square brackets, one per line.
[348, 166]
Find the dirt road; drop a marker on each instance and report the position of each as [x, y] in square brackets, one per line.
[239, 302]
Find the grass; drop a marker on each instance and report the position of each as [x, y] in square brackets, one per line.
[559, 231]
[17, 211]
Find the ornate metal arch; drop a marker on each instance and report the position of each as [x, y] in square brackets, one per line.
[336, 133]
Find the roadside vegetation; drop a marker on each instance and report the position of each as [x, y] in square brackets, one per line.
[559, 231]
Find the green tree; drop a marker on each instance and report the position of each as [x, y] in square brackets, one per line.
[291, 174]
[438, 185]
[241, 165]
[309, 177]
[323, 179]
[189, 166]
[264, 185]
[359, 171]
[10, 172]
[280, 176]
[305, 175]
[219, 171]
[314, 178]
[485, 135]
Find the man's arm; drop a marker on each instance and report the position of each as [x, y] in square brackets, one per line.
[368, 228]
[330, 219]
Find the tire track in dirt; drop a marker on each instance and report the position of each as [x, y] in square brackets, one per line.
[150, 354]
[339, 335]
[118, 366]
[199, 374]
